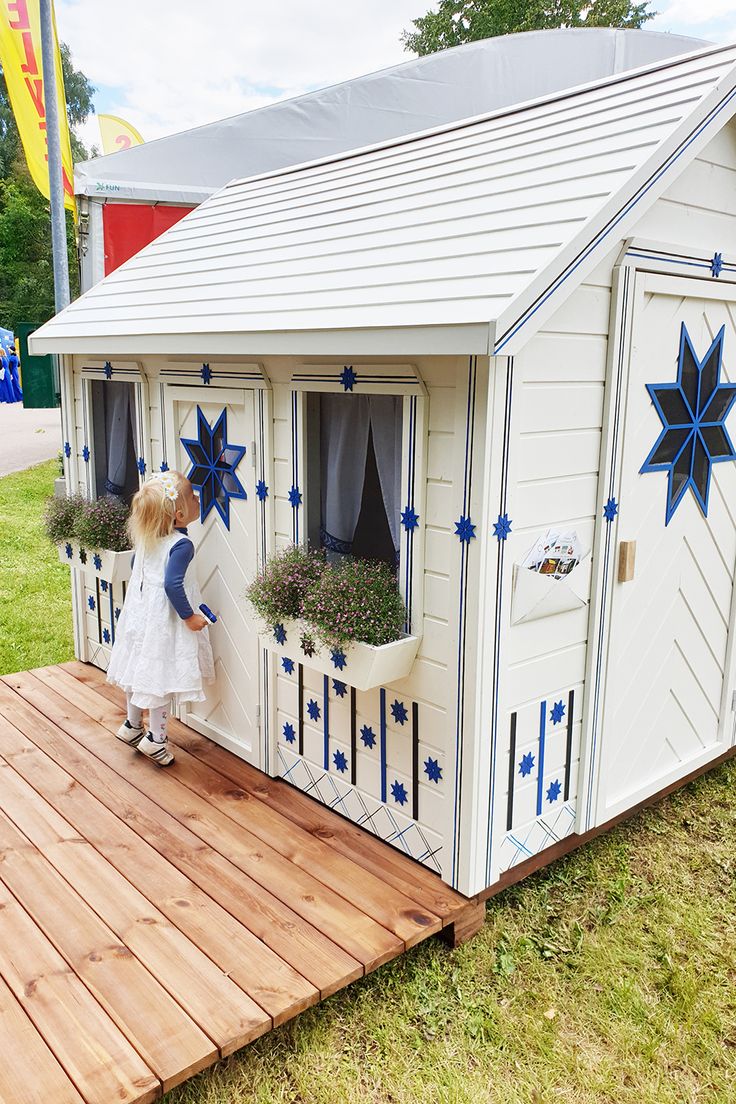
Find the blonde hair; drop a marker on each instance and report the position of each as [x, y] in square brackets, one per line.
[153, 511]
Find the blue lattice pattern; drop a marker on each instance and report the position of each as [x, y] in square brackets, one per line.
[524, 842]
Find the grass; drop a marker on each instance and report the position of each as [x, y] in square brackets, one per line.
[608, 978]
[35, 602]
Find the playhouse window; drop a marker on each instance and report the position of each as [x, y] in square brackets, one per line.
[114, 438]
[354, 467]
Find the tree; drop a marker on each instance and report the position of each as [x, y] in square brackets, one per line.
[26, 269]
[459, 21]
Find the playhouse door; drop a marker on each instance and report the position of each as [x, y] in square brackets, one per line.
[219, 423]
[669, 683]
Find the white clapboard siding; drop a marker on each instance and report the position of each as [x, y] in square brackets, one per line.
[463, 225]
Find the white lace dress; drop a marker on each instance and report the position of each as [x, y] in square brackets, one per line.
[156, 658]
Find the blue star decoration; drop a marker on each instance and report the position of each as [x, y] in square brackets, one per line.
[279, 634]
[339, 687]
[502, 528]
[399, 713]
[205, 373]
[91, 602]
[106, 635]
[103, 585]
[214, 461]
[464, 529]
[288, 665]
[716, 265]
[398, 792]
[340, 761]
[85, 454]
[295, 497]
[313, 710]
[117, 613]
[338, 660]
[164, 466]
[368, 736]
[108, 370]
[141, 465]
[97, 562]
[69, 550]
[348, 377]
[554, 790]
[526, 765]
[67, 449]
[261, 491]
[433, 770]
[693, 411]
[83, 555]
[610, 509]
[557, 712]
[409, 519]
[289, 734]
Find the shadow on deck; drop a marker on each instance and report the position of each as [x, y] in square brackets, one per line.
[154, 921]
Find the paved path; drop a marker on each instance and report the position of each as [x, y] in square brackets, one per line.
[27, 436]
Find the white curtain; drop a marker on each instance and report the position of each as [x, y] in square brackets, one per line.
[345, 424]
[119, 429]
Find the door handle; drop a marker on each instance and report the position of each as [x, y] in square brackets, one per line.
[626, 561]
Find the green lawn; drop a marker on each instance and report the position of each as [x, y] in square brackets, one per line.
[609, 978]
[35, 599]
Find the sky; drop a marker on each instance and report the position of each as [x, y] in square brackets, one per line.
[168, 65]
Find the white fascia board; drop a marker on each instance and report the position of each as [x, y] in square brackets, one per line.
[141, 192]
[405, 341]
[614, 222]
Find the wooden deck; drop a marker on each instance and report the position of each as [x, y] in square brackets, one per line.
[153, 921]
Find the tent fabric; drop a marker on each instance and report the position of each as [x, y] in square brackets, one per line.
[416, 95]
[466, 225]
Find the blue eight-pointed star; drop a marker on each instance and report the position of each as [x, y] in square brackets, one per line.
[295, 497]
[67, 449]
[339, 687]
[103, 585]
[339, 659]
[261, 491]
[206, 374]
[86, 454]
[214, 461]
[693, 411]
[313, 710]
[526, 765]
[289, 733]
[554, 790]
[141, 465]
[340, 761]
[398, 792]
[97, 561]
[368, 736]
[108, 370]
[502, 527]
[464, 529]
[288, 665]
[348, 377]
[106, 635]
[400, 715]
[409, 519]
[432, 769]
[279, 634]
[557, 712]
[610, 509]
[716, 265]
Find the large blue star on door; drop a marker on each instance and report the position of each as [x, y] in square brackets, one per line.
[214, 460]
[692, 410]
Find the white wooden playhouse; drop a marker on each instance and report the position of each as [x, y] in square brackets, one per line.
[527, 320]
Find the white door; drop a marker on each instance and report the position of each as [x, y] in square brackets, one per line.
[667, 701]
[225, 558]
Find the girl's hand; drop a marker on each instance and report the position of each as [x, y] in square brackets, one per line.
[196, 622]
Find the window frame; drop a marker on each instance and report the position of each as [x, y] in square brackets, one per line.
[123, 372]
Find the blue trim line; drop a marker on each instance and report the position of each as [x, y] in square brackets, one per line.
[326, 720]
[540, 756]
[383, 744]
[613, 223]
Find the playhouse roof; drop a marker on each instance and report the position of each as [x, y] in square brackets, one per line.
[449, 241]
[420, 93]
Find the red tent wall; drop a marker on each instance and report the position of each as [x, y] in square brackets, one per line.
[129, 226]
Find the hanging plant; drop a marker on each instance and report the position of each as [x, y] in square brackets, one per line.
[103, 523]
[60, 517]
[277, 593]
[355, 600]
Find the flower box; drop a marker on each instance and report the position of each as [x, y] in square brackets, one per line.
[101, 563]
[363, 666]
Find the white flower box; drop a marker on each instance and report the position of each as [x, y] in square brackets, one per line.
[99, 563]
[363, 666]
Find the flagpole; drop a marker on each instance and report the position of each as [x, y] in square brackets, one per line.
[56, 187]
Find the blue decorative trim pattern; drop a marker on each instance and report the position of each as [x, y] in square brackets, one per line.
[334, 544]
[261, 491]
[348, 378]
[716, 265]
[67, 449]
[502, 527]
[141, 465]
[214, 462]
[610, 509]
[86, 454]
[464, 529]
[206, 374]
[107, 370]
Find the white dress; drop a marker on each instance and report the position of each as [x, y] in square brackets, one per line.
[156, 658]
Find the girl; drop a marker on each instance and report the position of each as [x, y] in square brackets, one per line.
[162, 649]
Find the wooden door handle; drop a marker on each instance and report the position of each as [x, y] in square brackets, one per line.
[626, 561]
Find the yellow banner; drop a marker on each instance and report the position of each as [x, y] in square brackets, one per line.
[20, 56]
[117, 134]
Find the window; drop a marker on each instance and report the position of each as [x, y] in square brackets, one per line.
[113, 410]
[355, 469]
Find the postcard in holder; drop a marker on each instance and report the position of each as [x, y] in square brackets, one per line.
[538, 594]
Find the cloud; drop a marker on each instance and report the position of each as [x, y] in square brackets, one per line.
[176, 64]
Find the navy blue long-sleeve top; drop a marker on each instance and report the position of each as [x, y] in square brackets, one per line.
[180, 557]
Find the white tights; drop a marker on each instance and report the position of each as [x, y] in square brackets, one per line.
[157, 719]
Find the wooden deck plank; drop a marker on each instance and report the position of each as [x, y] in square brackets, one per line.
[190, 989]
[389, 907]
[29, 1073]
[235, 946]
[388, 864]
[98, 1059]
[358, 934]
